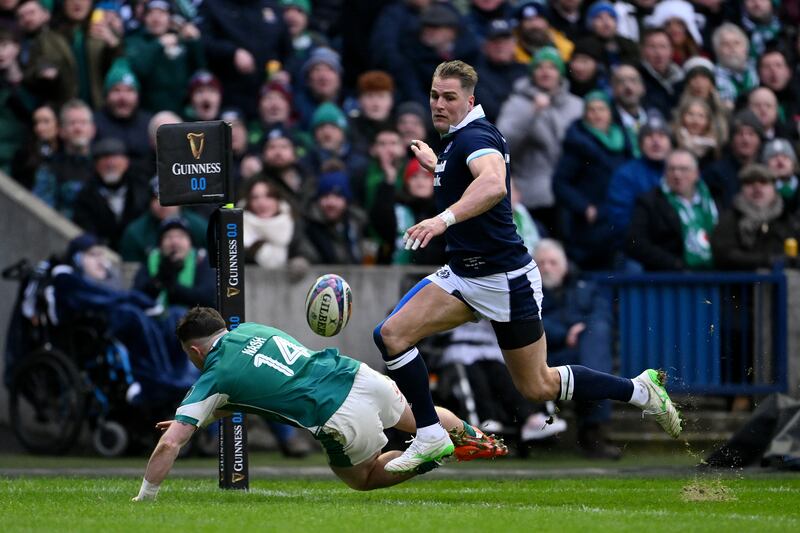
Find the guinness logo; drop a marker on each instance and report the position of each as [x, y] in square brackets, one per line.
[236, 478]
[197, 142]
[232, 291]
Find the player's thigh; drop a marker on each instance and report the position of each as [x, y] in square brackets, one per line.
[430, 310]
[528, 368]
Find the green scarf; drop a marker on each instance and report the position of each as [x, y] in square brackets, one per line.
[185, 276]
[84, 79]
[405, 219]
[613, 140]
[526, 227]
[787, 187]
[698, 219]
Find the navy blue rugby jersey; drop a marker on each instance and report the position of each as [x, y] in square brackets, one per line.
[489, 243]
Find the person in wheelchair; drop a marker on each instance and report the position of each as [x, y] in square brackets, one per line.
[85, 283]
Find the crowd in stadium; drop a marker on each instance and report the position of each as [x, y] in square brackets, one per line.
[645, 135]
[323, 101]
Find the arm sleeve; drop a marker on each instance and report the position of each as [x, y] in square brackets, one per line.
[480, 143]
[198, 407]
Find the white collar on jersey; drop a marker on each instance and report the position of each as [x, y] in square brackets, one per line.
[475, 114]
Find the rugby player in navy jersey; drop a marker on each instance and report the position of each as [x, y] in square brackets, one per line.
[489, 275]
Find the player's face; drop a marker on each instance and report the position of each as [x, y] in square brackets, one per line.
[450, 103]
[193, 353]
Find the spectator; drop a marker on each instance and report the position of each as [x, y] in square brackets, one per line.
[205, 97]
[95, 44]
[497, 69]
[296, 14]
[329, 126]
[281, 165]
[735, 74]
[696, 131]
[534, 121]
[577, 321]
[775, 74]
[375, 102]
[177, 273]
[164, 58]
[781, 159]
[660, 74]
[762, 25]
[396, 20]
[321, 82]
[534, 32]
[40, 148]
[671, 224]
[637, 177]
[586, 72]
[241, 38]
[157, 361]
[239, 144]
[121, 117]
[631, 16]
[269, 225]
[146, 166]
[526, 227]
[112, 199]
[601, 21]
[474, 346]
[141, 236]
[275, 111]
[744, 148]
[387, 162]
[627, 91]
[58, 182]
[699, 83]
[482, 13]
[395, 209]
[412, 120]
[14, 100]
[565, 16]
[50, 69]
[677, 18]
[593, 149]
[442, 36]
[335, 226]
[751, 234]
[763, 103]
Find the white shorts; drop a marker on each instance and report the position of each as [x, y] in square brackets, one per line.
[502, 297]
[355, 431]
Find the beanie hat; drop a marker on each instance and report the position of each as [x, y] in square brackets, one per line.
[655, 123]
[597, 8]
[120, 73]
[81, 243]
[375, 81]
[412, 108]
[698, 65]
[755, 172]
[323, 55]
[745, 117]
[328, 113]
[158, 4]
[108, 146]
[531, 8]
[412, 168]
[278, 87]
[779, 146]
[547, 53]
[597, 94]
[589, 47]
[173, 223]
[440, 14]
[203, 78]
[302, 5]
[334, 183]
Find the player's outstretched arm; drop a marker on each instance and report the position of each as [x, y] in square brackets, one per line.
[177, 434]
[488, 187]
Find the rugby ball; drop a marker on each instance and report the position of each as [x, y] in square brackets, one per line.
[328, 305]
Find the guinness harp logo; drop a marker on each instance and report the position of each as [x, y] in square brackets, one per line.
[237, 477]
[232, 291]
[197, 142]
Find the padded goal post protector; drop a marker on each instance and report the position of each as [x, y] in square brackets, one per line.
[194, 161]
[226, 254]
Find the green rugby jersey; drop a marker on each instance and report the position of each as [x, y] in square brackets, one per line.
[262, 370]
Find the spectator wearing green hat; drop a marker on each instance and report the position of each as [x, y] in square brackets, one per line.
[164, 59]
[121, 117]
[329, 127]
[593, 148]
[534, 121]
[296, 14]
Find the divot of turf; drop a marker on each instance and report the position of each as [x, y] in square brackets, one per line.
[707, 491]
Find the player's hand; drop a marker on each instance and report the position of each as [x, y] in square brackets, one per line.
[164, 424]
[424, 154]
[419, 235]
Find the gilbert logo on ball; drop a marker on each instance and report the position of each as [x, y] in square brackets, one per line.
[328, 305]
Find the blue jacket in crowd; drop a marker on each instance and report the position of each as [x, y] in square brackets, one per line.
[628, 182]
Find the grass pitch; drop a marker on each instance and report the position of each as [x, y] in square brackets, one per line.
[693, 503]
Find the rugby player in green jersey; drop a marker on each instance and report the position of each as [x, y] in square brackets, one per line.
[344, 403]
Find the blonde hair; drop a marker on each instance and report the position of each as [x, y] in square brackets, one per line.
[459, 70]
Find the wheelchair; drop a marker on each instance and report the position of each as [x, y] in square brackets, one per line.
[64, 377]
